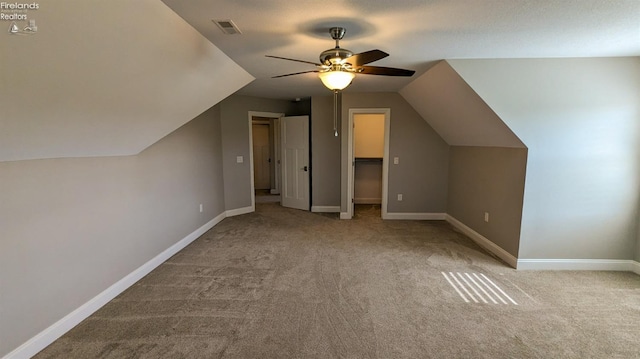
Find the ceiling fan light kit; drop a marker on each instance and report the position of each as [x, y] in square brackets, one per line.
[336, 80]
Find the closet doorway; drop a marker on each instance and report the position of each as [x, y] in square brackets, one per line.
[368, 153]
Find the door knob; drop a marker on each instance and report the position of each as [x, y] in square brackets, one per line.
[305, 168]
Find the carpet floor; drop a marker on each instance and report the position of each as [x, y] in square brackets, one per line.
[282, 283]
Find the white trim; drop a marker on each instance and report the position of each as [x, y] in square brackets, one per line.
[239, 211]
[635, 267]
[252, 114]
[385, 158]
[415, 216]
[41, 340]
[385, 162]
[483, 241]
[367, 200]
[579, 264]
[325, 209]
[277, 144]
[274, 191]
[350, 164]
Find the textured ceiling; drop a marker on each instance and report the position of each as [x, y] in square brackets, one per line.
[415, 32]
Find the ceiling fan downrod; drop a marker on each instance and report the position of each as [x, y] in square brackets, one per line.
[337, 33]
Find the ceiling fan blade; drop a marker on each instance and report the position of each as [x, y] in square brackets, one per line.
[303, 61]
[366, 57]
[386, 71]
[295, 73]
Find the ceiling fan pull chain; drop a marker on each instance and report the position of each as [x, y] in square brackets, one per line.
[335, 113]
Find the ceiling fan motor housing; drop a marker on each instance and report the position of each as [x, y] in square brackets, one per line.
[334, 56]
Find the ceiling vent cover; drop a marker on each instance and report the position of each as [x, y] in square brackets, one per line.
[227, 27]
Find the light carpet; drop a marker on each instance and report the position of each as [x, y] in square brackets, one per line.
[283, 283]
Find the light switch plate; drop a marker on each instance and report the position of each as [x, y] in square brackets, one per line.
[239, 159]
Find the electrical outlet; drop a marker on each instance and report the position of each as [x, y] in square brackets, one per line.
[399, 196]
[396, 160]
[201, 208]
[486, 216]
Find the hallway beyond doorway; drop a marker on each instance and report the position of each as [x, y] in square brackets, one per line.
[265, 196]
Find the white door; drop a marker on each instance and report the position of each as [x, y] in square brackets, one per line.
[295, 162]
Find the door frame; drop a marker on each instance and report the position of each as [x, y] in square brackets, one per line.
[251, 115]
[351, 160]
[277, 144]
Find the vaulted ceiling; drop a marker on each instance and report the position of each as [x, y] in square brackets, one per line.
[415, 33]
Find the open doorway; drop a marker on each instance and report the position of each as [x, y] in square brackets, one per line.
[263, 160]
[368, 152]
[264, 136]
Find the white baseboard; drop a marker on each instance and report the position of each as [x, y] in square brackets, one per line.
[367, 200]
[415, 216]
[345, 215]
[239, 211]
[483, 242]
[325, 209]
[56, 330]
[274, 191]
[579, 264]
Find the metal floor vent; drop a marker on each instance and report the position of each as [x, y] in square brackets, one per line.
[227, 26]
[477, 287]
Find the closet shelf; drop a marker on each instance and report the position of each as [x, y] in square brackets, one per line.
[368, 159]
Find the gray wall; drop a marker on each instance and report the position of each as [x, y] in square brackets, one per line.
[367, 187]
[234, 112]
[422, 173]
[70, 228]
[301, 108]
[325, 154]
[580, 119]
[488, 179]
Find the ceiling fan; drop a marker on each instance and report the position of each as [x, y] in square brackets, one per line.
[338, 67]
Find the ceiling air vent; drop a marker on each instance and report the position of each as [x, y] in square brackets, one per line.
[227, 26]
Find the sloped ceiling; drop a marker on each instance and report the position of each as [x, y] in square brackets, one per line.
[105, 78]
[456, 111]
[415, 33]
